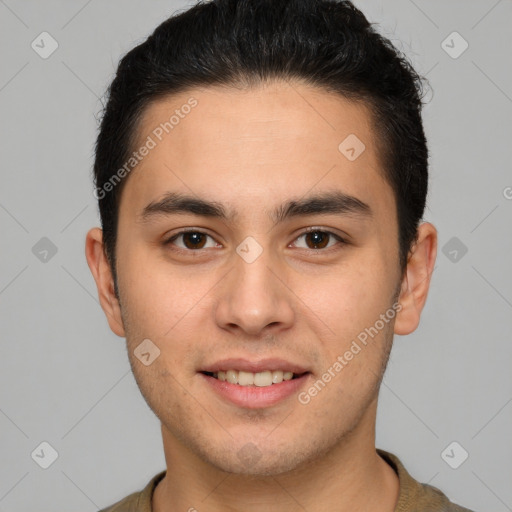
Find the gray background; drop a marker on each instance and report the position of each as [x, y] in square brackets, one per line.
[65, 378]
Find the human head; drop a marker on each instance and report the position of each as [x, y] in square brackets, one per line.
[326, 44]
[263, 126]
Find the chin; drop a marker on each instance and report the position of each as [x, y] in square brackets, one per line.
[262, 464]
[262, 457]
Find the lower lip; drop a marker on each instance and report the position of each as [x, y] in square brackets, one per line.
[255, 397]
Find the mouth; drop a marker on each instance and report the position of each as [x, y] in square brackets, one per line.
[254, 384]
[261, 379]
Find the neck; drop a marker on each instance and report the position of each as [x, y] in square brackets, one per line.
[350, 477]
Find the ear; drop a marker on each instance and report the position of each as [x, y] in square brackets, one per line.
[416, 280]
[100, 268]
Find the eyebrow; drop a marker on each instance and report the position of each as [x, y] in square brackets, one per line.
[333, 202]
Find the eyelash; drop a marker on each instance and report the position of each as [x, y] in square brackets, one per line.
[341, 241]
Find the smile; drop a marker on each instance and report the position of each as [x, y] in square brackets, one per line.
[254, 390]
[260, 379]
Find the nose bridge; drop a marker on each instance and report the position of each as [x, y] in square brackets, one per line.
[252, 297]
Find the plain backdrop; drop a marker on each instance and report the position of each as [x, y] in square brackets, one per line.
[65, 379]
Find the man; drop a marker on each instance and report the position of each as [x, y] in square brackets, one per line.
[261, 172]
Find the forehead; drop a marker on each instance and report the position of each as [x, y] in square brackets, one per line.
[251, 147]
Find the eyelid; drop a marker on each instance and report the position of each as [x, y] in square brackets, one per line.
[325, 230]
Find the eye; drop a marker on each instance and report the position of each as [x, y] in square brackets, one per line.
[319, 239]
[192, 240]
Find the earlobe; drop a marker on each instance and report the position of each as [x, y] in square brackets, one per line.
[416, 280]
[100, 269]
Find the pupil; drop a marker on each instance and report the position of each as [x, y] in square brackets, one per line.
[195, 238]
[318, 238]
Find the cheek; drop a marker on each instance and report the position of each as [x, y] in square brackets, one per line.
[163, 306]
[357, 294]
[152, 297]
[351, 303]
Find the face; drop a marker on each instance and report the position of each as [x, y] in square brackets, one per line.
[266, 282]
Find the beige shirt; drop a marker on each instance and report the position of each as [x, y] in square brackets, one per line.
[413, 496]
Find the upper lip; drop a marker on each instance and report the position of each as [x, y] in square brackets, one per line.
[246, 365]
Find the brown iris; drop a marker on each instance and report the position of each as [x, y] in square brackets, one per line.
[195, 238]
[320, 239]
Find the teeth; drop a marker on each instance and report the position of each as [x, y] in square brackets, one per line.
[277, 377]
[245, 378]
[261, 379]
[232, 376]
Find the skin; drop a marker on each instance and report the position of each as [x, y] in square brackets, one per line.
[252, 151]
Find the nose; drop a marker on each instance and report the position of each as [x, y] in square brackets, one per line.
[253, 298]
